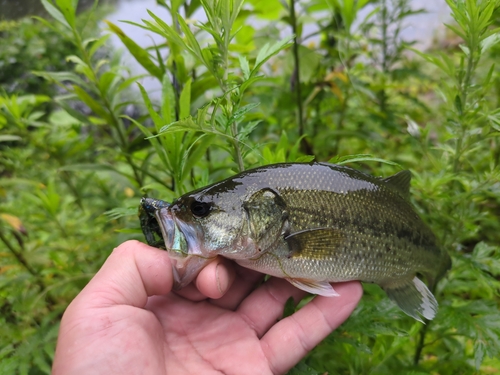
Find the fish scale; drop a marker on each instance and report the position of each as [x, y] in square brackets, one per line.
[311, 223]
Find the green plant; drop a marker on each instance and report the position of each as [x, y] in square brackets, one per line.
[235, 95]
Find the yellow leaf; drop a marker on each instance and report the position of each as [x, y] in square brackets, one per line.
[338, 75]
[14, 222]
[336, 90]
[129, 192]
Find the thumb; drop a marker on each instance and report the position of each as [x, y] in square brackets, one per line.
[131, 273]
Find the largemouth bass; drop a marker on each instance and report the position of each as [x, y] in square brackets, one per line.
[311, 224]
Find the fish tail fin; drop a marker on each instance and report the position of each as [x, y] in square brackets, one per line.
[414, 298]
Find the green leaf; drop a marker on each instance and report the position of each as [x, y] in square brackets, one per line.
[68, 9]
[196, 151]
[289, 308]
[97, 43]
[245, 68]
[9, 138]
[241, 112]
[119, 212]
[139, 53]
[302, 368]
[54, 12]
[305, 159]
[341, 160]
[73, 112]
[50, 25]
[97, 108]
[185, 100]
[186, 124]
[269, 51]
[167, 100]
[158, 121]
[163, 29]
[155, 142]
[62, 77]
[489, 42]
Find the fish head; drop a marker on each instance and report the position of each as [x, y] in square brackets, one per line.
[198, 226]
[238, 223]
[172, 228]
[205, 224]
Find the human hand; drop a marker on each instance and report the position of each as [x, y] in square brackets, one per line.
[127, 320]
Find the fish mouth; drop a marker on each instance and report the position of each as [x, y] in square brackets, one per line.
[160, 227]
[181, 240]
[174, 239]
[163, 230]
[149, 224]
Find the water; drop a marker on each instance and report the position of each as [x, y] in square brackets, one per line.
[136, 11]
[421, 28]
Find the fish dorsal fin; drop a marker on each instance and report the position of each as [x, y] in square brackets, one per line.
[414, 298]
[400, 182]
[322, 288]
[317, 243]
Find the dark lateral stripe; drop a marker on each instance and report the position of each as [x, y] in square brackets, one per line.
[365, 225]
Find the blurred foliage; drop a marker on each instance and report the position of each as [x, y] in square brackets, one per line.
[314, 80]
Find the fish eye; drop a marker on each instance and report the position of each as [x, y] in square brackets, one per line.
[200, 209]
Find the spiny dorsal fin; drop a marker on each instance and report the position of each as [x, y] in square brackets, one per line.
[400, 182]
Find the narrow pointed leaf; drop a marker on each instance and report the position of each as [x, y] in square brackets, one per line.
[139, 53]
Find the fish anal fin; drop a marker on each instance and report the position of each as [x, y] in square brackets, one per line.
[317, 243]
[414, 298]
[400, 182]
[322, 288]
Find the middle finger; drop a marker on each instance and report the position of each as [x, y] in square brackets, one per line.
[265, 306]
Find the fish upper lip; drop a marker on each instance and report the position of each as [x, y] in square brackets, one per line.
[172, 236]
[179, 237]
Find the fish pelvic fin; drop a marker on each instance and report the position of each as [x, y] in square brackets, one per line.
[322, 288]
[414, 298]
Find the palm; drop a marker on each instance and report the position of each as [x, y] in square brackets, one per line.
[113, 327]
[199, 337]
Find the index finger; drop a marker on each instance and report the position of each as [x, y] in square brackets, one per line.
[131, 273]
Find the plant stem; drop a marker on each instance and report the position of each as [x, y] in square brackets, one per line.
[422, 333]
[22, 260]
[385, 68]
[296, 77]
[236, 144]
[464, 91]
[117, 124]
[420, 344]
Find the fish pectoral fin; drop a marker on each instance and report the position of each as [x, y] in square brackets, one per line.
[317, 243]
[322, 288]
[414, 298]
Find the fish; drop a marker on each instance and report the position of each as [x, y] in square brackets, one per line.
[309, 223]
